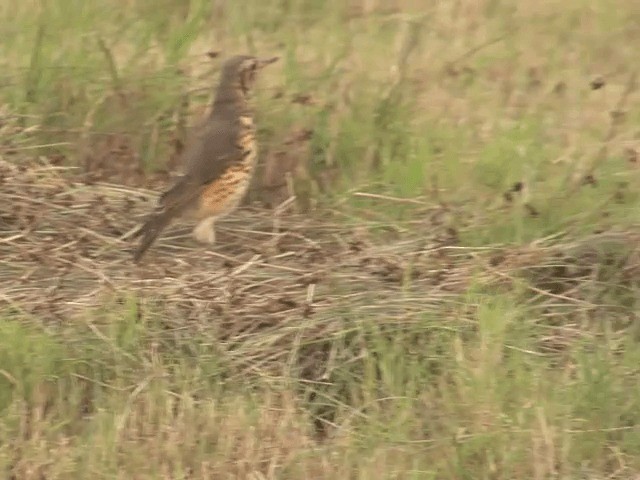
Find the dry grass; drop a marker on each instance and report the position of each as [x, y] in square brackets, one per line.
[270, 273]
[276, 280]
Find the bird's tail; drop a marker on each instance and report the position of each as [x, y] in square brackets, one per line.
[149, 232]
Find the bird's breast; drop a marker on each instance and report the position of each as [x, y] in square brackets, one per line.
[225, 193]
[247, 142]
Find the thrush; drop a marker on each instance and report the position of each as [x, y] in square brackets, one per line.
[219, 162]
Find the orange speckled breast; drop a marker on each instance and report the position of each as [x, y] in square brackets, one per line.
[224, 194]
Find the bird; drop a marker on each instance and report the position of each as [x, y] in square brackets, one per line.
[219, 161]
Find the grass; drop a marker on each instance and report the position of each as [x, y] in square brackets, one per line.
[453, 294]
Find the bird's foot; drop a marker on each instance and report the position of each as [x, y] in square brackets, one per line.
[204, 231]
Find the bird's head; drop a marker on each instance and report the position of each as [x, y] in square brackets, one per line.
[240, 71]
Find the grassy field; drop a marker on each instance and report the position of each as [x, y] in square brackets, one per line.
[452, 294]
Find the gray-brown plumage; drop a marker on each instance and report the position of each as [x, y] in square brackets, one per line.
[219, 161]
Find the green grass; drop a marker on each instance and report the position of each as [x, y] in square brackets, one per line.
[437, 397]
[447, 104]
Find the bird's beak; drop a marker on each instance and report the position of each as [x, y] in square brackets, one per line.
[263, 62]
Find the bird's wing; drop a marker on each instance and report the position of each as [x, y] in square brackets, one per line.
[213, 150]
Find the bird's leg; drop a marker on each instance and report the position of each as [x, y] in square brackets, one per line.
[204, 231]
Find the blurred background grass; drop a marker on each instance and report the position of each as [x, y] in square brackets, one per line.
[454, 101]
[519, 119]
